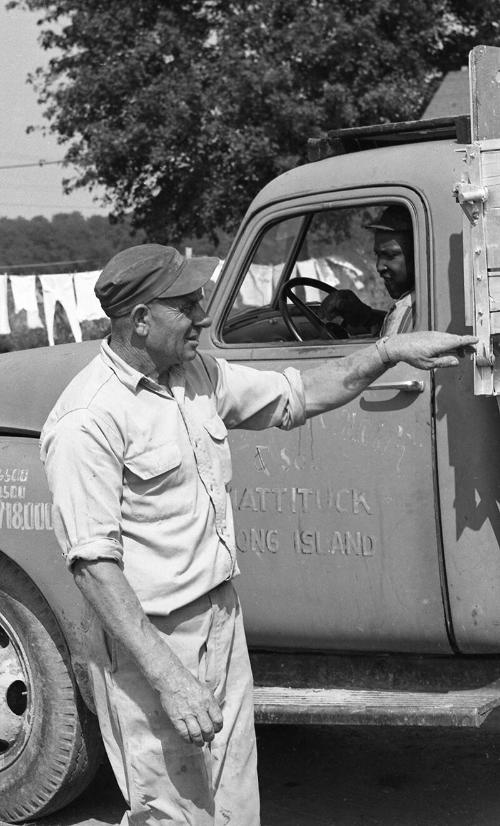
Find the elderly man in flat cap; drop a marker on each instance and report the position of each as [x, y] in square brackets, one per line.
[137, 460]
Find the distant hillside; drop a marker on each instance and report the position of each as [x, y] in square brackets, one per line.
[38, 245]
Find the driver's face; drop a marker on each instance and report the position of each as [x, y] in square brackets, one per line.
[394, 262]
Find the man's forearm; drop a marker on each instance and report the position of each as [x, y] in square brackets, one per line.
[190, 706]
[105, 587]
[338, 381]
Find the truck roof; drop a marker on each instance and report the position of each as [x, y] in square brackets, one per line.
[32, 380]
[343, 141]
[417, 165]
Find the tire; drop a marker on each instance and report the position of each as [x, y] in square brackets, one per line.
[50, 746]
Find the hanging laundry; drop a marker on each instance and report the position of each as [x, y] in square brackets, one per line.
[258, 286]
[347, 274]
[24, 294]
[325, 273]
[217, 270]
[60, 288]
[307, 269]
[87, 304]
[4, 311]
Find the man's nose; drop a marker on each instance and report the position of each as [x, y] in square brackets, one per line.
[200, 318]
[380, 265]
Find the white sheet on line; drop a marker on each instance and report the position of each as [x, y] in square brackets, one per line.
[87, 304]
[59, 287]
[4, 310]
[24, 294]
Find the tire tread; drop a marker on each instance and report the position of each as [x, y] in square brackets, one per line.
[66, 772]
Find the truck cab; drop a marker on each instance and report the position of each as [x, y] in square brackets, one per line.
[368, 539]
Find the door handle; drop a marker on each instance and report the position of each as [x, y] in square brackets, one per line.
[416, 386]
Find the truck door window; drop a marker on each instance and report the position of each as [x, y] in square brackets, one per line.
[364, 254]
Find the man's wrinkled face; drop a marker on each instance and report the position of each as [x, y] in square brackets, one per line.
[394, 252]
[175, 328]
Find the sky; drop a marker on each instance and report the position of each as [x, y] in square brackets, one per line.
[33, 190]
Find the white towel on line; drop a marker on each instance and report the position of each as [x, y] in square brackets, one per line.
[87, 303]
[60, 288]
[24, 294]
[307, 269]
[4, 310]
[217, 270]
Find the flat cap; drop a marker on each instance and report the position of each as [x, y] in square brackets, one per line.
[396, 218]
[140, 274]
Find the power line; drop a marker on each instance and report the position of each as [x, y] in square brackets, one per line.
[65, 207]
[41, 162]
[45, 263]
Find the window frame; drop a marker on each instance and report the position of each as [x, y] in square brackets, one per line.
[251, 235]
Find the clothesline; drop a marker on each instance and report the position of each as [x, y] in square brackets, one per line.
[75, 293]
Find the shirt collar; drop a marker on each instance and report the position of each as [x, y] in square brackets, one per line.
[128, 375]
[404, 297]
[133, 378]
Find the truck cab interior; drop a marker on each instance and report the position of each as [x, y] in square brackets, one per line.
[296, 263]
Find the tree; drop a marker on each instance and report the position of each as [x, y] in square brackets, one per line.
[78, 243]
[182, 109]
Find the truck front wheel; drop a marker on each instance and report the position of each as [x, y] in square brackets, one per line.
[50, 745]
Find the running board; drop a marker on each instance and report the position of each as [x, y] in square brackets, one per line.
[391, 708]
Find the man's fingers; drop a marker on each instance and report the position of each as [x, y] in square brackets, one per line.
[182, 729]
[194, 730]
[444, 361]
[468, 341]
[207, 727]
[216, 715]
[201, 727]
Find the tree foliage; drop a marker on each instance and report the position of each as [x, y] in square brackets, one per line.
[79, 244]
[182, 109]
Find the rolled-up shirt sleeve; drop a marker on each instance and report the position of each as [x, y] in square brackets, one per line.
[257, 399]
[84, 469]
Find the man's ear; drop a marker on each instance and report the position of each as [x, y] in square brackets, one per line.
[140, 318]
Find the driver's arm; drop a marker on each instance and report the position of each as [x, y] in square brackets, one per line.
[354, 312]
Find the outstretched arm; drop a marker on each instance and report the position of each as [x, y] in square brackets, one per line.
[338, 381]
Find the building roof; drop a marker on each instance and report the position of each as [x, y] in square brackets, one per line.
[452, 96]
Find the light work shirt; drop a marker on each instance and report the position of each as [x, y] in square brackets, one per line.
[401, 316]
[139, 472]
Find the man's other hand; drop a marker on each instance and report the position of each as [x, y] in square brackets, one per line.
[428, 350]
[191, 707]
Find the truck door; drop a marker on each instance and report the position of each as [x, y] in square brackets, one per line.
[335, 521]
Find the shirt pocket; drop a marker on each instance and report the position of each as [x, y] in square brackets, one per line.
[154, 461]
[217, 431]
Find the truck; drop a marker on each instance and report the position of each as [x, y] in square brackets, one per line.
[368, 539]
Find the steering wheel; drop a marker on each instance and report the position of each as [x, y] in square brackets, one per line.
[329, 328]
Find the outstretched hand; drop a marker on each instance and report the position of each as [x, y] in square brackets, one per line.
[428, 350]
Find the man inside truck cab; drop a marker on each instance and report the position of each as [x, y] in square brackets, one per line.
[393, 247]
[138, 463]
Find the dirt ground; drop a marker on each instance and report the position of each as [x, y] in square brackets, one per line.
[350, 776]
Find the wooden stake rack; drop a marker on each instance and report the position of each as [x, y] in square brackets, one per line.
[478, 193]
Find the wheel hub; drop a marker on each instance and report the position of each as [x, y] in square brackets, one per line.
[15, 696]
